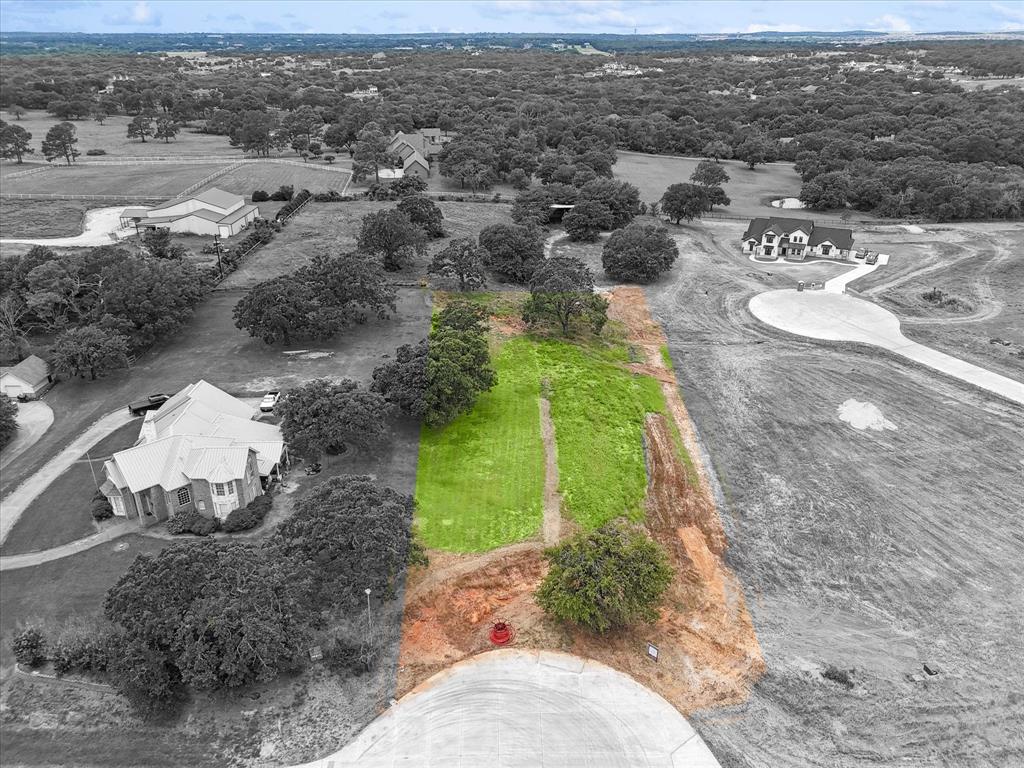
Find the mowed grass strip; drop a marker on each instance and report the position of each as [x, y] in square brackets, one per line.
[598, 409]
[480, 479]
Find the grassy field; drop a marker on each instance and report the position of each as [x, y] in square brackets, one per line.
[335, 226]
[480, 479]
[751, 192]
[164, 180]
[113, 137]
[42, 218]
[270, 176]
[61, 512]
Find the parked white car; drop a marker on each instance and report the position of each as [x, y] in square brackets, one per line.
[270, 400]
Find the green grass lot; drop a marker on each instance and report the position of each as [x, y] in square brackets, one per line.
[480, 479]
[113, 137]
[750, 191]
[598, 409]
[61, 512]
[43, 218]
[269, 176]
[164, 180]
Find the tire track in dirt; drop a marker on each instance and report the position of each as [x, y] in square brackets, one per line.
[552, 498]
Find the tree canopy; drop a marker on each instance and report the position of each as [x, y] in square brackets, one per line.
[561, 290]
[606, 579]
[392, 236]
[323, 415]
[512, 250]
[462, 263]
[317, 301]
[639, 253]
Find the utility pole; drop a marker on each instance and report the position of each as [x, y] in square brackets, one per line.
[369, 628]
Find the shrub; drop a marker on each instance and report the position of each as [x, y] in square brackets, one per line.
[344, 657]
[192, 522]
[260, 196]
[29, 647]
[284, 193]
[604, 579]
[293, 204]
[249, 516]
[330, 196]
[94, 152]
[100, 507]
[81, 649]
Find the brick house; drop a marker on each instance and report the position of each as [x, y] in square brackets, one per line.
[201, 450]
[796, 239]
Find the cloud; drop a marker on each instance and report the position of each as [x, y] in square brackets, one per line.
[752, 29]
[889, 23]
[139, 14]
[579, 13]
[1008, 12]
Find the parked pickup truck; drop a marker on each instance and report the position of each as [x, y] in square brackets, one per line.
[151, 403]
[270, 400]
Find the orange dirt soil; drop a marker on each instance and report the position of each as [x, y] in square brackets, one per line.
[709, 654]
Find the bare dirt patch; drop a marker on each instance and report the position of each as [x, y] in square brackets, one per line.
[709, 654]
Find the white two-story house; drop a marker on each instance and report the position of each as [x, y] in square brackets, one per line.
[796, 239]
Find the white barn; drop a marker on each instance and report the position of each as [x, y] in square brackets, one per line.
[211, 212]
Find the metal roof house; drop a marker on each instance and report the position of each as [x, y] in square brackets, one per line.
[29, 378]
[795, 239]
[201, 450]
[210, 212]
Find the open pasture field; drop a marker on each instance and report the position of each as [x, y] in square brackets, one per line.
[867, 552]
[751, 192]
[42, 218]
[335, 227]
[113, 137]
[480, 478]
[269, 176]
[163, 180]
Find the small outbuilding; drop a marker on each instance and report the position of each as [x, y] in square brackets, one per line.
[28, 379]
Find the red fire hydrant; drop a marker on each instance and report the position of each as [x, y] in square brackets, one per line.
[501, 633]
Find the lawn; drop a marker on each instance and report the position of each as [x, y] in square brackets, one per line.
[480, 480]
[269, 176]
[51, 592]
[43, 218]
[61, 513]
[112, 136]
[598, 409]
[750, 191]
[164, 180]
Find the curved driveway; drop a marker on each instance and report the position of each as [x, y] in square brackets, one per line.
[527, 708]
[839, 317]
[34, 418]
[17, 501]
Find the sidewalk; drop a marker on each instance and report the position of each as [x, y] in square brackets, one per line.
[29, 559]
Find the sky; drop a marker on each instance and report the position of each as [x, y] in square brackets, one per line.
[580, 16]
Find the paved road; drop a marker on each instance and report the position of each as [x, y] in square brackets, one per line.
[527, 708]
[839, 317]
[17, 501]
[34, 418]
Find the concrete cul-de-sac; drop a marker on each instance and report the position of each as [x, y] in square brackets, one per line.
[527, 709]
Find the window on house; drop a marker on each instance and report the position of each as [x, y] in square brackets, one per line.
[220, 489]
[769, 238]
[184, 496]
[826, 250]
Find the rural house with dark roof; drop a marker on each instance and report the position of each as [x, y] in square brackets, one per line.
[796, 239]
